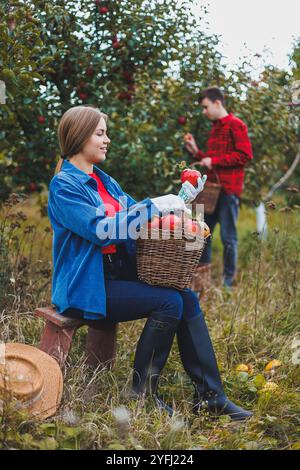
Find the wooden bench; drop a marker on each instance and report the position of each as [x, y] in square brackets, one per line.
[57, 337]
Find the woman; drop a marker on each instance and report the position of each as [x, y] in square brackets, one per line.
[95, 270]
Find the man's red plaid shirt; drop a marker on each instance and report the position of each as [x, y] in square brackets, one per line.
[229, 148]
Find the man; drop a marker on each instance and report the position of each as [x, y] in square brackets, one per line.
[228, 151]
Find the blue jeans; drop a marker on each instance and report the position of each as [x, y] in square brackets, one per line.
[129, 299]
[226, 213]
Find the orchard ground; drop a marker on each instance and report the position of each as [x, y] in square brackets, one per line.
[253, 325]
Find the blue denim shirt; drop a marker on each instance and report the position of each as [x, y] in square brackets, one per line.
[77, 215]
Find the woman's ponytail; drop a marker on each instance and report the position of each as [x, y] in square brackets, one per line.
[58, 166]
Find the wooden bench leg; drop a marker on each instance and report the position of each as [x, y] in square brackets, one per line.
[57, 341]
[101, 344]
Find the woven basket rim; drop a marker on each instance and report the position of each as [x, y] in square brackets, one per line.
[180, 231]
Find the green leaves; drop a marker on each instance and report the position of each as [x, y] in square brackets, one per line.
[160, 60]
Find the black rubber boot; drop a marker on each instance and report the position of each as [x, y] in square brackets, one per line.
[151, 355]
[199, 361]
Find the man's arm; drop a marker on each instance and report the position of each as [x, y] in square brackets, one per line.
[243, 149]
[199, 154]
[192, 148]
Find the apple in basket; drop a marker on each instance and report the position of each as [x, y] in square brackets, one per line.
[190, 175]
[192, 227]
[171, 222]
[155, 222]
[204, 229]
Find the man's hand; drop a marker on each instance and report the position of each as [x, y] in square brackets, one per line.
[190, 144]
[206, 162]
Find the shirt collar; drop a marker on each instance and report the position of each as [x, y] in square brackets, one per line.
[223, 120]
[68, 167]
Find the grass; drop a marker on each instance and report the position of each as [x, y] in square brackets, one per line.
[257, 322]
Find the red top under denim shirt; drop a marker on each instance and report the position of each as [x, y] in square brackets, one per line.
[230, 149]
[112, 206]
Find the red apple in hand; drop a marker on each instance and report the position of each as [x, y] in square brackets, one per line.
[170, 222]
[191, 176]
[187, 137]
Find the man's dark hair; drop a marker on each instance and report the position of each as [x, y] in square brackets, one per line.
[213, 93]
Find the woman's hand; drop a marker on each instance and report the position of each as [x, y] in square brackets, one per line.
[189, 192]
[169, 203]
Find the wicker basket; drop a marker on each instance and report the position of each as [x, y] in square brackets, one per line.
[201, 281]
[168, 262]
[210, 195]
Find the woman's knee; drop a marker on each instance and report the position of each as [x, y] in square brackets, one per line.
[172, 304]
[191, 304]
[190, 297]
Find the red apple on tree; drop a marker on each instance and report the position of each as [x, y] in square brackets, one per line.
[83, 96]
[116, 44]
[182, 120]
[122, 95]
[67, 68]
[89, 71]
[81, 85]
[128, 76]
[41, 119]
[32, 187]
[103, 10]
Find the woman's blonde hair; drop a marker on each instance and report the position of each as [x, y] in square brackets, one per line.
[75, 128]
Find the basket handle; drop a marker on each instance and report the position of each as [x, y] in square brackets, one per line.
[214, 171]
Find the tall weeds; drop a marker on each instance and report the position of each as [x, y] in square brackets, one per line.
[257, 322]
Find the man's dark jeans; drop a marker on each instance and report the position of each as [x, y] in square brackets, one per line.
[226, 213]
